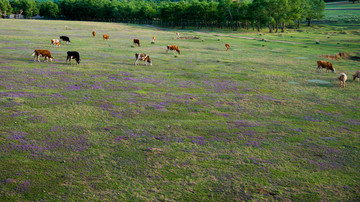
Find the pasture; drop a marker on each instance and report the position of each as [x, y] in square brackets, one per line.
[257, 122]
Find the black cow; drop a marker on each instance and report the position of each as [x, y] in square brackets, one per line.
[65, 38]
[73, 55]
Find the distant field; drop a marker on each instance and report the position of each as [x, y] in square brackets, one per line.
[343, 12]
[257, 122]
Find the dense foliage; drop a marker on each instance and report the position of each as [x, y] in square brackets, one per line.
[273, 14]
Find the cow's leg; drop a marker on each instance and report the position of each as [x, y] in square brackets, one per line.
[136, 60]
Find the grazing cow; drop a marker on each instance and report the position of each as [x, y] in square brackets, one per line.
[356, 75]
[227, 46]
[93, 33]
[105, 37]
[173, 48]
[65, 38]
[342, 77]
[137, 41]
[55, 42]
[42, 53]
[144, 57]
[325, 64]
[73, 55]
[154, 38]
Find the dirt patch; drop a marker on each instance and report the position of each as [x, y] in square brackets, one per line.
[345, 56]
[188, 37]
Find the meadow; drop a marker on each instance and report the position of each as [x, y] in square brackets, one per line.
[257, 122]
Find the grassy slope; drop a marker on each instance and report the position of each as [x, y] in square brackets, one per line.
[206, 125]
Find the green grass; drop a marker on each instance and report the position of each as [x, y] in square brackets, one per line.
[209, 124]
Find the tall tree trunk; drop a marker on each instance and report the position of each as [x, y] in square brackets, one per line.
[283, 27]
[270, 28]
[309, 22]
[298, 26]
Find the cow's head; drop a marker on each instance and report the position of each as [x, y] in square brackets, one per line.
[51, 58]
[148, 60]
[78, 60]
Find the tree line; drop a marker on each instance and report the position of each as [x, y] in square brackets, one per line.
[275, 15]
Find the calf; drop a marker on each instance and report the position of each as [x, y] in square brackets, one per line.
[173, 48]
[93, 33]
[42, 53]
[137, 41]
[356, 75]
[342, 77]
[55, 42]
[227, 46]
[154, 38]
[325, 64]
[65, 38]
[73, 55]
[144, 57]
[105, 37]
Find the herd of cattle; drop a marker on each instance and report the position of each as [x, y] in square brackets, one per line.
[342, 76]
[146, 58]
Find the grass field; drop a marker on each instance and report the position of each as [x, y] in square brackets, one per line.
[257, 122]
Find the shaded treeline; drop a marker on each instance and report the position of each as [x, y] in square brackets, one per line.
[257, 14]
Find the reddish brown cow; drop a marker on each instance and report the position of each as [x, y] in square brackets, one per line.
[93, 33]
[144, 57]
[325, 64]
[173, 48]
[137, 41]
[105, 37]
[42, 53]
[227, 46]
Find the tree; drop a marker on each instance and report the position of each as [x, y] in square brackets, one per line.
[5, 7]
[26, 7]
[259, 13]
[49, 9]
[314, 10]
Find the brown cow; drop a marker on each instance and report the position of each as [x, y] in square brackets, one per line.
[42, 53]
[93, 33]
[154, 38]
[227, 46]
[342, 77]
[55, 42]
[105, 37]
[144, 57]
[173, 48]
[325, 64]
[356, 75]
[137, 41]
